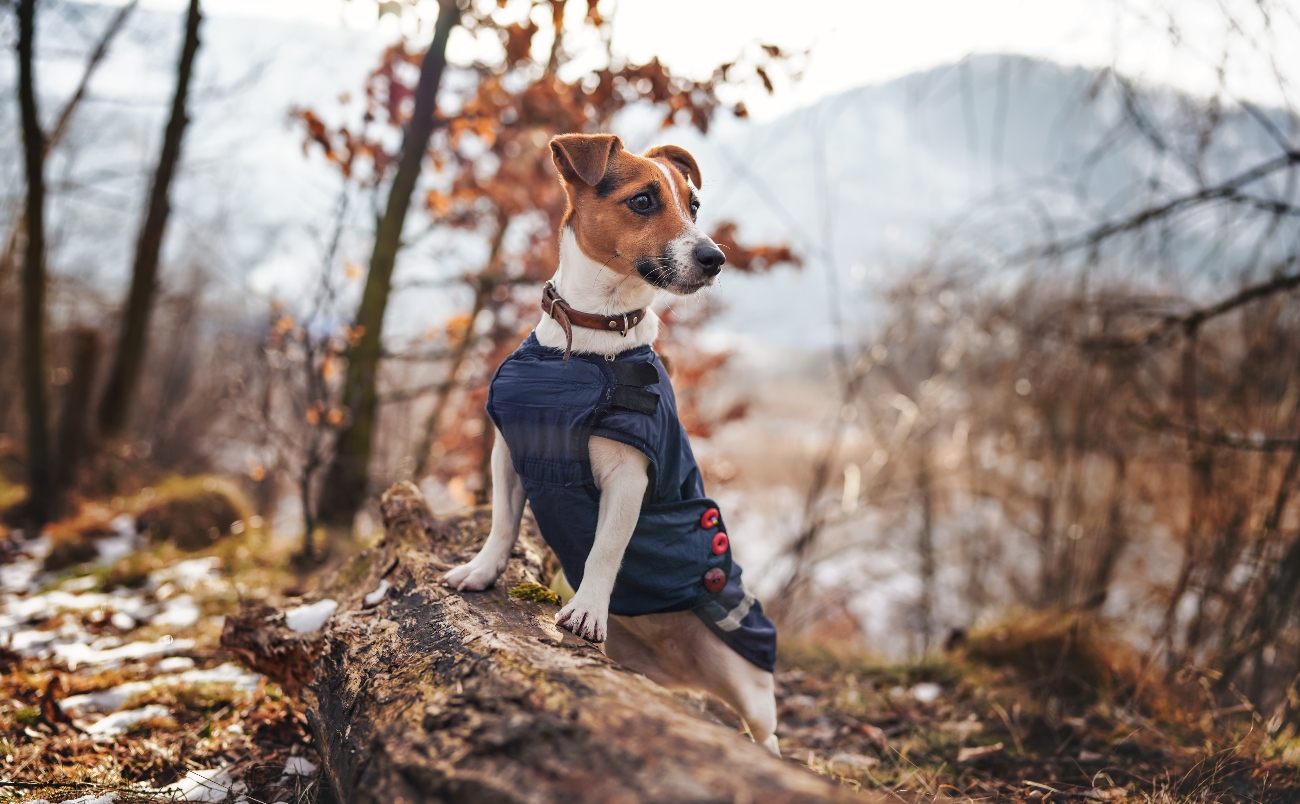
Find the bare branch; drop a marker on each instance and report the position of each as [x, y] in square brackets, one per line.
[1228, 190]
[92, 64]
[1283, 283]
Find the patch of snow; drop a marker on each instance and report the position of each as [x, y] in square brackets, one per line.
[40, 607]
[174, 664]
[926, 692]
[81, 584]
[374, 597]
[107, 798]
[124, 541]
[180, 612]
[114, 548]
[77, 654]
[114, 698]
[27, 641]
[123, 523]
[298, 766]
[20, 574]
[187, 574]
[123, 621]
[109, 700]
[310, 618]
[213, 784]
[228, 673]
[119, 722]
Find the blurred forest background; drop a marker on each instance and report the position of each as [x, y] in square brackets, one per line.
[1004, 362]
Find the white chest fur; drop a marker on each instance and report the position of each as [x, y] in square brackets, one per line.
[590, 287]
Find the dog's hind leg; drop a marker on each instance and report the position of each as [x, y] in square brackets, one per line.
[507, 509]
[748, 689]
[679, 651]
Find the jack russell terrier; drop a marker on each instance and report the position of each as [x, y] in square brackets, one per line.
[594, 443]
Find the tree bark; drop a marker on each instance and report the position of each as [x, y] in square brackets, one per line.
[925, 547]
[435, 696]
[347, 479]
[43, 489]
[487, 282]
[74, 437]
[9, 254]
[128, 361]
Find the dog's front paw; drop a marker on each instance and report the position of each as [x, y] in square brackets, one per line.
[471, 577]
[589, 622]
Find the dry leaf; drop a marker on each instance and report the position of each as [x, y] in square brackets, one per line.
[974, 752]
[1106, 794]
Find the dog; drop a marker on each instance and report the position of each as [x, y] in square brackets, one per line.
[598, 451]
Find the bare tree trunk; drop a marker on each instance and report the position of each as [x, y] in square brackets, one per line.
[347, 479]
[1200, 476]
[128, 360]
[41, 477]
[1114, 540]
[925, 548]
[482, 292]
[428, 695]
[1279, 600]
[9, 255]
[1048, 556]
[74, 425]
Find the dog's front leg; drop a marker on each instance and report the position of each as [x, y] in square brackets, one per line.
[620, 473]
[507, 508]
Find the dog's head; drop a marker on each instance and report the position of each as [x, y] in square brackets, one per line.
[636, 214]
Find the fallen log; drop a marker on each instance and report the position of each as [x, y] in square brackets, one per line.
[416, 693]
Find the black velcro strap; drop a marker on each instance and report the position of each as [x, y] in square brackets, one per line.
[637, 399]
[636, 375]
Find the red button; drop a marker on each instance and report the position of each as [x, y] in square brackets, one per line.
[720, 544]
[710, 518]
[714, 580]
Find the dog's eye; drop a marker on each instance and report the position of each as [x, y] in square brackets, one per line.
[695, 206]
[641, 202]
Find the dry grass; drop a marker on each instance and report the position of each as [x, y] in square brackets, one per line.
[209, 725]
[1041, 708]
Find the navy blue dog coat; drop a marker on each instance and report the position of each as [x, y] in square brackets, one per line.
[679, 556]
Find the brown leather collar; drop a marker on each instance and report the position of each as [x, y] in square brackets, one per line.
[568, 318]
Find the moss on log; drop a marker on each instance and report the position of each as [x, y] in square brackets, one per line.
[422, 694]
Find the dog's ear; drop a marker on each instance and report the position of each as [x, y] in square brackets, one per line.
[584, 157]
[681, 158]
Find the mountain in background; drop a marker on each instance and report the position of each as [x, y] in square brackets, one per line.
[972, 161]
[865, 184]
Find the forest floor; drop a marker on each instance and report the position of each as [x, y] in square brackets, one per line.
[115, 689]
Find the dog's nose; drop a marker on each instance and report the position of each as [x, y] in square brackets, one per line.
[710, 258]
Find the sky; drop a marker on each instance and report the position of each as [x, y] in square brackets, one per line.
[856, 42]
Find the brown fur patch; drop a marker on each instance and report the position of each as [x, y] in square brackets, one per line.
[679, 158]
[607, 228]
